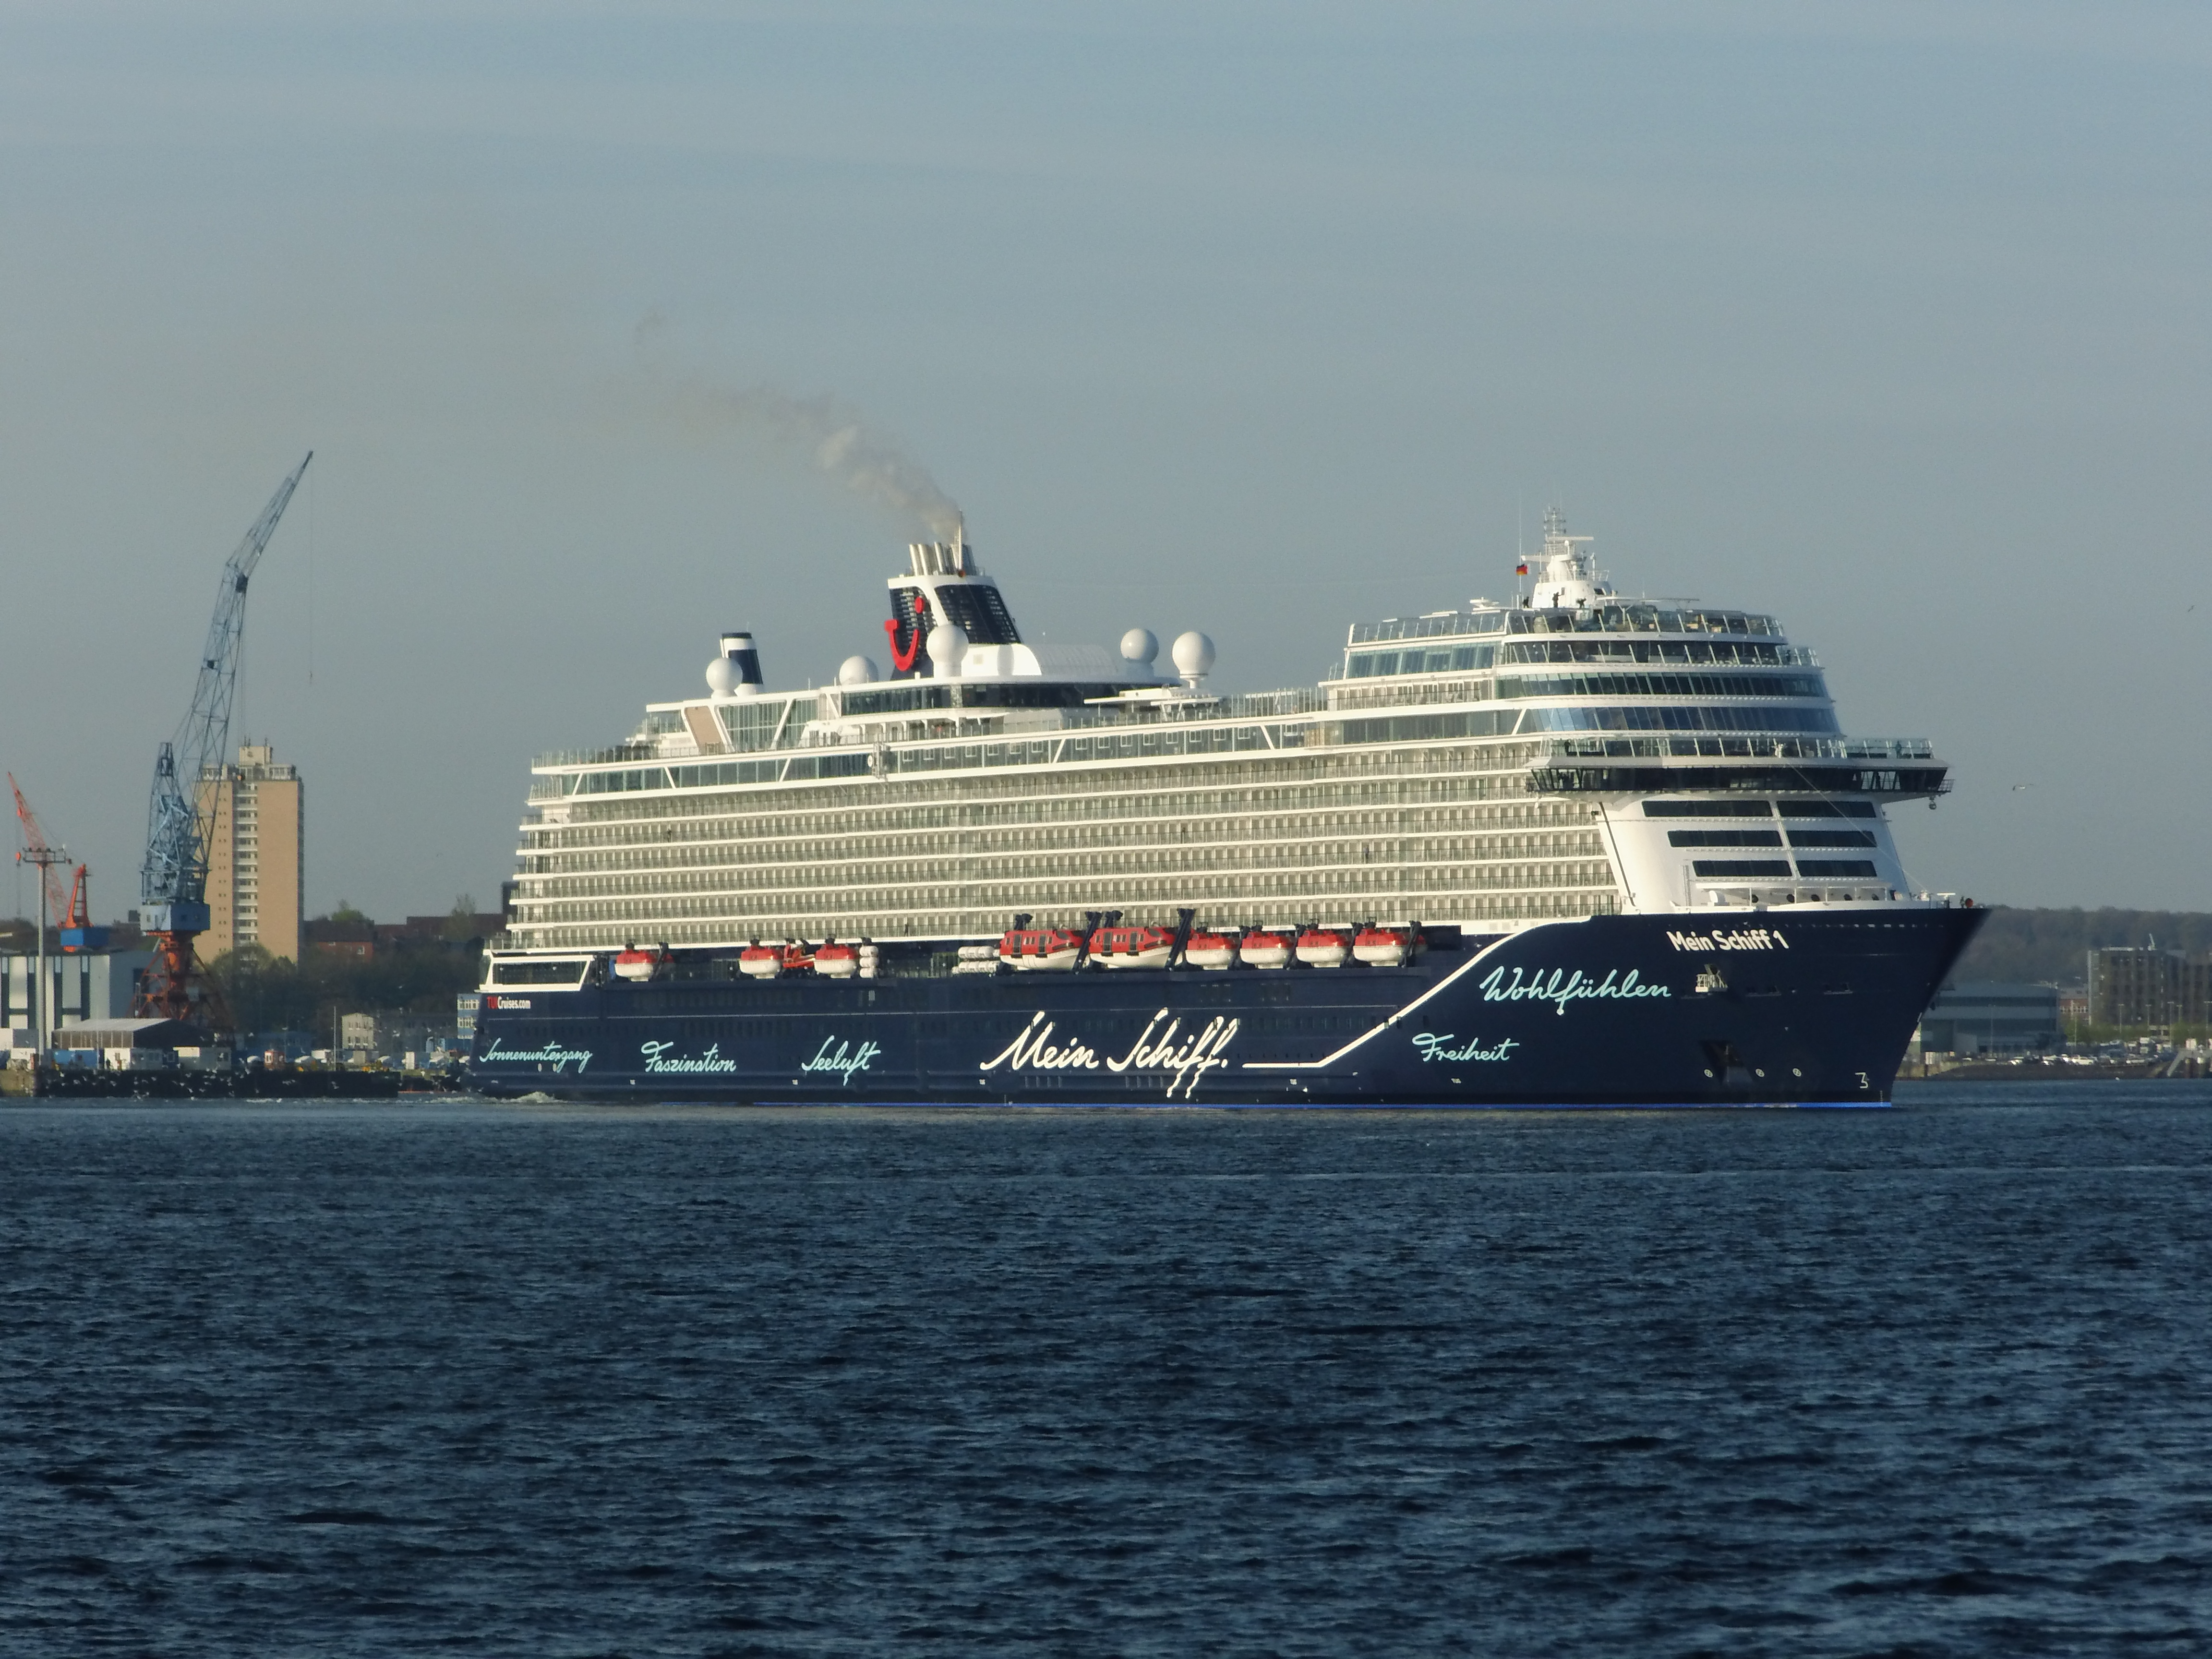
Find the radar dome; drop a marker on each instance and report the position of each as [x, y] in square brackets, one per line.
[948, 642]
[1194, 655]
[722, 676]
[1139, 645]
[856, 671]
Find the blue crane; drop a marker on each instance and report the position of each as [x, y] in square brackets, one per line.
[180, 816]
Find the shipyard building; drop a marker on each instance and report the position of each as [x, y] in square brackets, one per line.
[1986, 1017]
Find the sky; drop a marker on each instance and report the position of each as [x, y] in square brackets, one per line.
[1888, 320]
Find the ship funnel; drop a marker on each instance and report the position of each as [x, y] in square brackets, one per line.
[942, 559]
[737, 672]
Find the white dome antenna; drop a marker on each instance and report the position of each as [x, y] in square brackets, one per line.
[948, 643]
[1193, 656]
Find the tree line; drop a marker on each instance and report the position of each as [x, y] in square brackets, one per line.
[2053, 946]
[266, 992]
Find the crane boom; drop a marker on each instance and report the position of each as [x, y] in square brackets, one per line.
[35, 844]
[180, 827]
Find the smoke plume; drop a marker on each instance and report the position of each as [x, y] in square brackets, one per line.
[835, 439]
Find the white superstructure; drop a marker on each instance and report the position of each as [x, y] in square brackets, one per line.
[1564, 754]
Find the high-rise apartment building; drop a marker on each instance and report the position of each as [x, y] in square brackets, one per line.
[256, 856]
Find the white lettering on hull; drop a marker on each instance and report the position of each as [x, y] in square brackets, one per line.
[1432, 1045]
[1747, 939]
[1563, 985]
[551, 1054]
[657, 1059]
[1184, 1060]
[844, 1060]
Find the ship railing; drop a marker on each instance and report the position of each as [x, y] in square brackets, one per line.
[955, 725]
[1642, 617]
[619, 754]
[1779, 746]
[1186, 711]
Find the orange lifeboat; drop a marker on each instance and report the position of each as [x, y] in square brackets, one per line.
[837, 961]
[767, 961]
[1132, 947]
[1382, 947]
[1261, 949]
[632, 963]
[1053, 948]
[1212, 950]
[1322, 947]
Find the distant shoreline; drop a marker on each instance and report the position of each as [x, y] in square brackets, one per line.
[2059, 1072]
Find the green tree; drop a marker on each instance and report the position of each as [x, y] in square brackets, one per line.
[263, 993]
[271, 994]
[461, 924]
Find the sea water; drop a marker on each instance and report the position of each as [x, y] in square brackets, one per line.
[398, 1378]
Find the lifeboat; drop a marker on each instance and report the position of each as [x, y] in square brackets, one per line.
[1054, 948]
[1322, 947]
[767, 961]
[1210, 949]
[1382, 947]
[837, 961]
[1261, 949]
[635, 964]
[1132, 947]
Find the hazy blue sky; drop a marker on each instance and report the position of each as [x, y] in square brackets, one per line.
[1889, 318]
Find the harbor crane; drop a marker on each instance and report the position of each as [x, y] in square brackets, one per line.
[37, 850]
[47, 858]
[65, 900]
[180, 825]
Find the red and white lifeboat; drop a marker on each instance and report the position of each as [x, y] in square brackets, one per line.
[767, 961]
[633, 963]
[1382, 947]
[1261, 949]
[1054, 948]
[837, 961]
[1132, 947]
[1210, 949]
[1323, 947]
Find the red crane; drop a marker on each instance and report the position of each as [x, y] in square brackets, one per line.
[67, 906]
[37, 850]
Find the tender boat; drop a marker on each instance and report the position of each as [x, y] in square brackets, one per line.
[1054, 948]
[1132, 947]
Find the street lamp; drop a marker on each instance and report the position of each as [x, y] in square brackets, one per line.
[43, 857]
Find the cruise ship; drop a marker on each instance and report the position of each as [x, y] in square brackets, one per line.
[1566, 848]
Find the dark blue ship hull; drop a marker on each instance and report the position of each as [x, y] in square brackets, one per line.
[1794, 1007]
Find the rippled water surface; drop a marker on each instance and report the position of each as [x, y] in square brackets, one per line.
[384, 1379]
